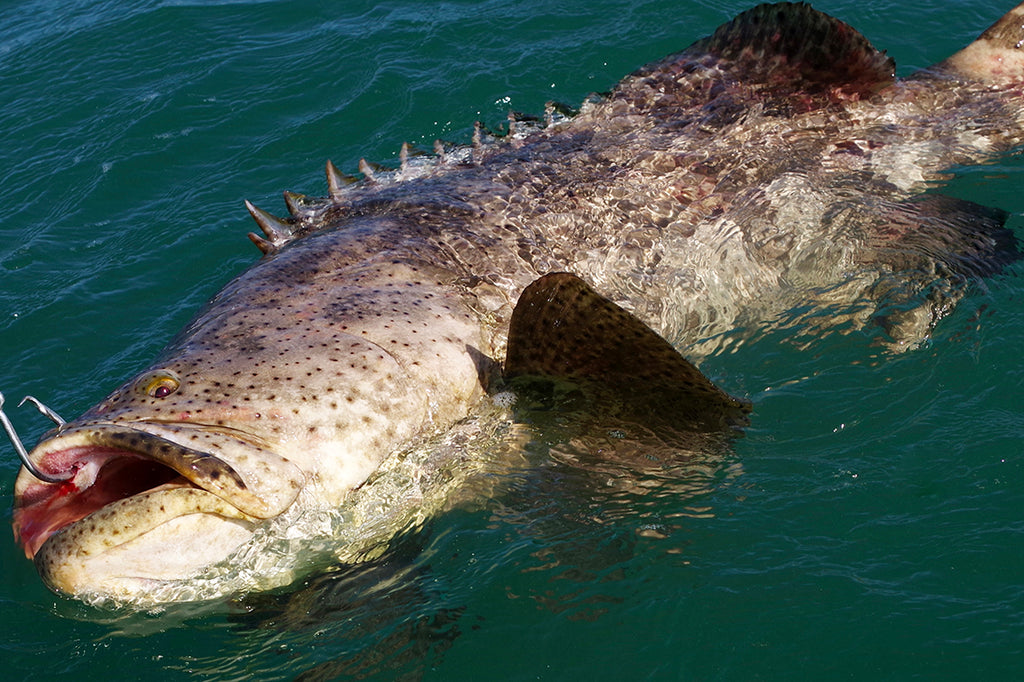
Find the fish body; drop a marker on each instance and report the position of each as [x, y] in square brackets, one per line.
[776, 163]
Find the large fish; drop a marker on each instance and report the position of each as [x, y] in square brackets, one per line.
[775, 166]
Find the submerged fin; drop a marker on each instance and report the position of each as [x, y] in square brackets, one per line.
[941, 235]
[997, 56]
[562, 328]
[931, 249]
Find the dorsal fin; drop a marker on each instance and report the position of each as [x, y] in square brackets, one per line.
[997, 56]
[785, 58]
[794, 47]
[563, 328]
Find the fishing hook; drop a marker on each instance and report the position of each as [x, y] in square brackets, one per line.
[50, 414]
[16, 442]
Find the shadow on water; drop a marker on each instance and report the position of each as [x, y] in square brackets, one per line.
[565, 535]
[388, 618]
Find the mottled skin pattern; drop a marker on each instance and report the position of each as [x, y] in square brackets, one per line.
[703, 199]
[715, 204]
[710, 191]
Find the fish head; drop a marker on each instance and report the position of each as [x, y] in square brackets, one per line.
[280, 398]
[161, 483]
[259, 403]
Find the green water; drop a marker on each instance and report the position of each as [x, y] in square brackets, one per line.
[867, 527]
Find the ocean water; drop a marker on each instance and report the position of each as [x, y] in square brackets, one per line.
[868, 526]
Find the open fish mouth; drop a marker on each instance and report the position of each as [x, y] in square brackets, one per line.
[125, 480]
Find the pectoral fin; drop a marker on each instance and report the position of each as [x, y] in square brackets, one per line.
[562, 328]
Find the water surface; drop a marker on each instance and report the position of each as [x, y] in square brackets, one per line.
[867, 527]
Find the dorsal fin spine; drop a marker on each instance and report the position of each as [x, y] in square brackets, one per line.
[367, 171]
[276, 229]
[403, 157]
[337, 181]
[297, 205]
[262, 244]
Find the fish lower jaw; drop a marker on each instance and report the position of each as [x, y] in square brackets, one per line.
[102, 477]
[119, 552]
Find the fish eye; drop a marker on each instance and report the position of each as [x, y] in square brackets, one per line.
[159, 383]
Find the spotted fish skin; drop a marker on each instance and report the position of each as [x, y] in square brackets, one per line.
[776, 163]
[343, 356]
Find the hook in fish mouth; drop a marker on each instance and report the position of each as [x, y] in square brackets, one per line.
[19, 446]
[104, 464]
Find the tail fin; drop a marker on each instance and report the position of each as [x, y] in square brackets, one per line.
[997, 56]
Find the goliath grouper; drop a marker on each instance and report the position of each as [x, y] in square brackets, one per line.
[775, 164]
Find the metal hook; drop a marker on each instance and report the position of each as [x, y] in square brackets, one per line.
[50, 414]
[16, 442]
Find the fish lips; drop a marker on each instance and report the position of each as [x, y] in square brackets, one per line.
[128, 479]
[123, 550]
